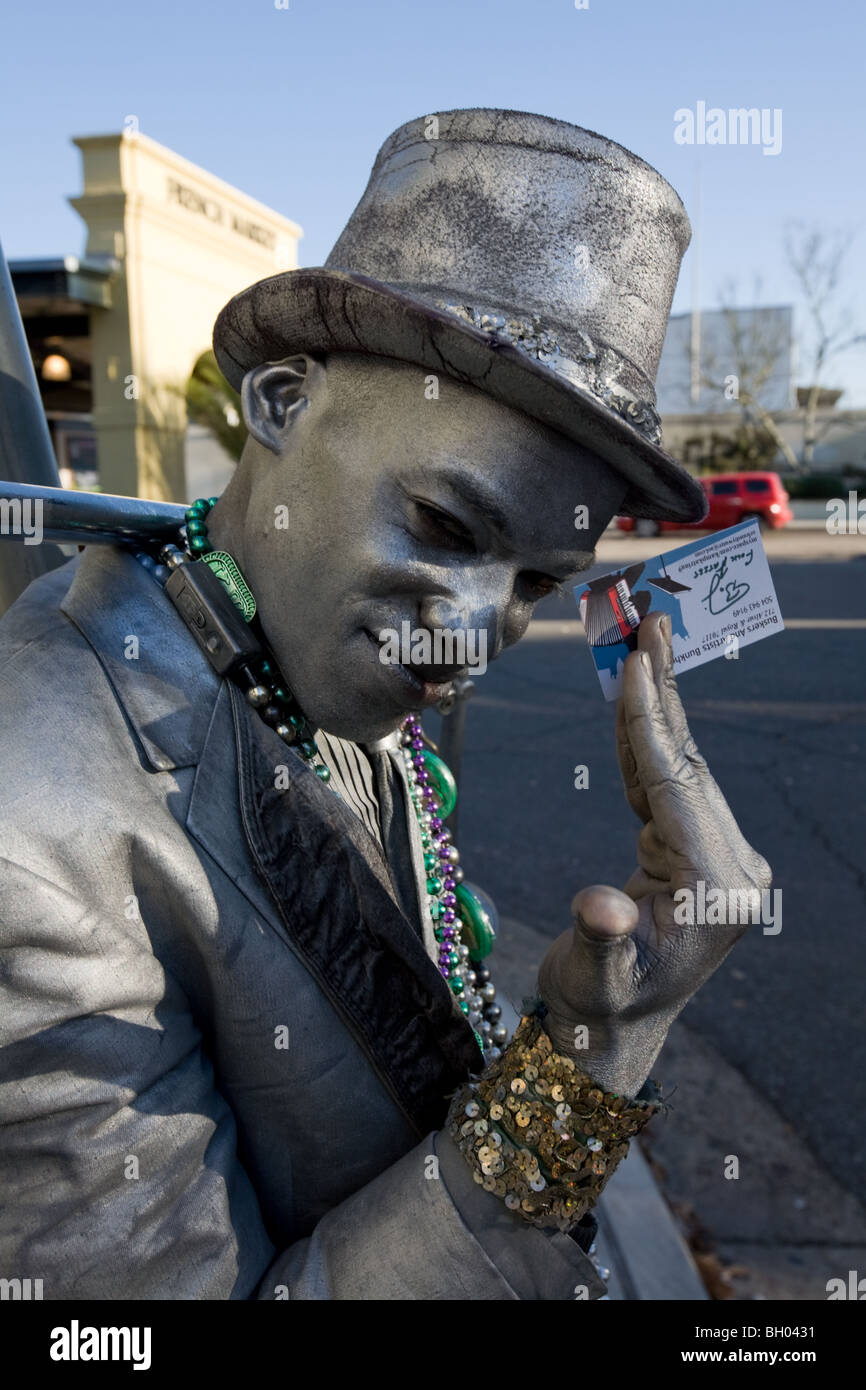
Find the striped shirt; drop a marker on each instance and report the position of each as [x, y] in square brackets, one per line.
[372, 782]
[352, 777]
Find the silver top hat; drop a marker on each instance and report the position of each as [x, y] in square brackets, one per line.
[522, 255]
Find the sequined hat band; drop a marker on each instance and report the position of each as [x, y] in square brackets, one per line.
[594, 369]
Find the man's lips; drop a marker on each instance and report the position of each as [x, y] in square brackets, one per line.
[428, 683]
[434, 675]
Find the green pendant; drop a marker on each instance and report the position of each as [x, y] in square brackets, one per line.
[442, 779]
[477, 928]
[232, 581]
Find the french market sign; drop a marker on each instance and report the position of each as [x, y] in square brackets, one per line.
[215, 212]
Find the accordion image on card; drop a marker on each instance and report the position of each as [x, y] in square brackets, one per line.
[611, 607]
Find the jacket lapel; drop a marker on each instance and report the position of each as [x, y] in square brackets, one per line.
[213, 818]
[331, 887]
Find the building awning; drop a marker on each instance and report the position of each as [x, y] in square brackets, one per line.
[63, 285]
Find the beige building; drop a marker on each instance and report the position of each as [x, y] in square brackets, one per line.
[167, 245]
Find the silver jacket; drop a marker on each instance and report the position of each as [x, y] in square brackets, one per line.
[226, 1055]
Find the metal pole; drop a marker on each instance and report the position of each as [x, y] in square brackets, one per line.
[88, 518]
[695, 346]
[26, 455]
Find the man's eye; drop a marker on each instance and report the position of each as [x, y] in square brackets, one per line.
[540, 585]
[443, 530]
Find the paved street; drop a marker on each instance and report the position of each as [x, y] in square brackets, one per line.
[784, 730]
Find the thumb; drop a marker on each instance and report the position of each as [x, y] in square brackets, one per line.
[602, 913]
[602, 956]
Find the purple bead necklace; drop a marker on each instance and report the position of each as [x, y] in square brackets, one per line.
[469, 983]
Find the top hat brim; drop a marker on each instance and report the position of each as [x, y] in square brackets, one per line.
[320, 310]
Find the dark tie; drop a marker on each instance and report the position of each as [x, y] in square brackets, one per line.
[395, 835]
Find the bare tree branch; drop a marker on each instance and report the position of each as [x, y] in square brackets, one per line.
[757, 345]
[817, 258]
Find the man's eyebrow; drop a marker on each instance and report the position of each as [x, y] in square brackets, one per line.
[476, 495]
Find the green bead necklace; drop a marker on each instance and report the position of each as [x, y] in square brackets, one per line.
[266, 691]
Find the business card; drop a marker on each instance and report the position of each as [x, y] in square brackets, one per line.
[717, 591]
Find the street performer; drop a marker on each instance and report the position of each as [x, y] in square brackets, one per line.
[251, 1047]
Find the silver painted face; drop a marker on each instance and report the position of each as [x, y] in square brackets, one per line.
[408, 513]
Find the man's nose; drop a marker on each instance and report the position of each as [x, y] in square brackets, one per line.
[469, 614]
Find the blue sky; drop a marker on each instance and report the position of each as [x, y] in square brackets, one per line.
[291, 106]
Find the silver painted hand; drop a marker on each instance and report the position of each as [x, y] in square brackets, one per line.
[614, 984]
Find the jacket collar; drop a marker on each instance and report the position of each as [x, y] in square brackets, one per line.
[160, 678]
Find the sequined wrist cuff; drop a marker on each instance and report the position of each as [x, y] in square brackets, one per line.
[540, 1133]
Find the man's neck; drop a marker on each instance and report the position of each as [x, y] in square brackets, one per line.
[385, 744]
[225, 521]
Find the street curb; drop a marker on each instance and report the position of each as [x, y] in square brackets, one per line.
[638, 1239]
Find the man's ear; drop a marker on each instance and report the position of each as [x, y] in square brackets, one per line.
[274, 394]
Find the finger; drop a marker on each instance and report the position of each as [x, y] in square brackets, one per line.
[652, 853]
[680, 809]
[654, 638]
[634, 792]
[641, 885]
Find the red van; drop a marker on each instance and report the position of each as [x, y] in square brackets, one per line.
[732, 497]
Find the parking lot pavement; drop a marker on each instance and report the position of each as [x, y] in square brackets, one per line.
[800, 541]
